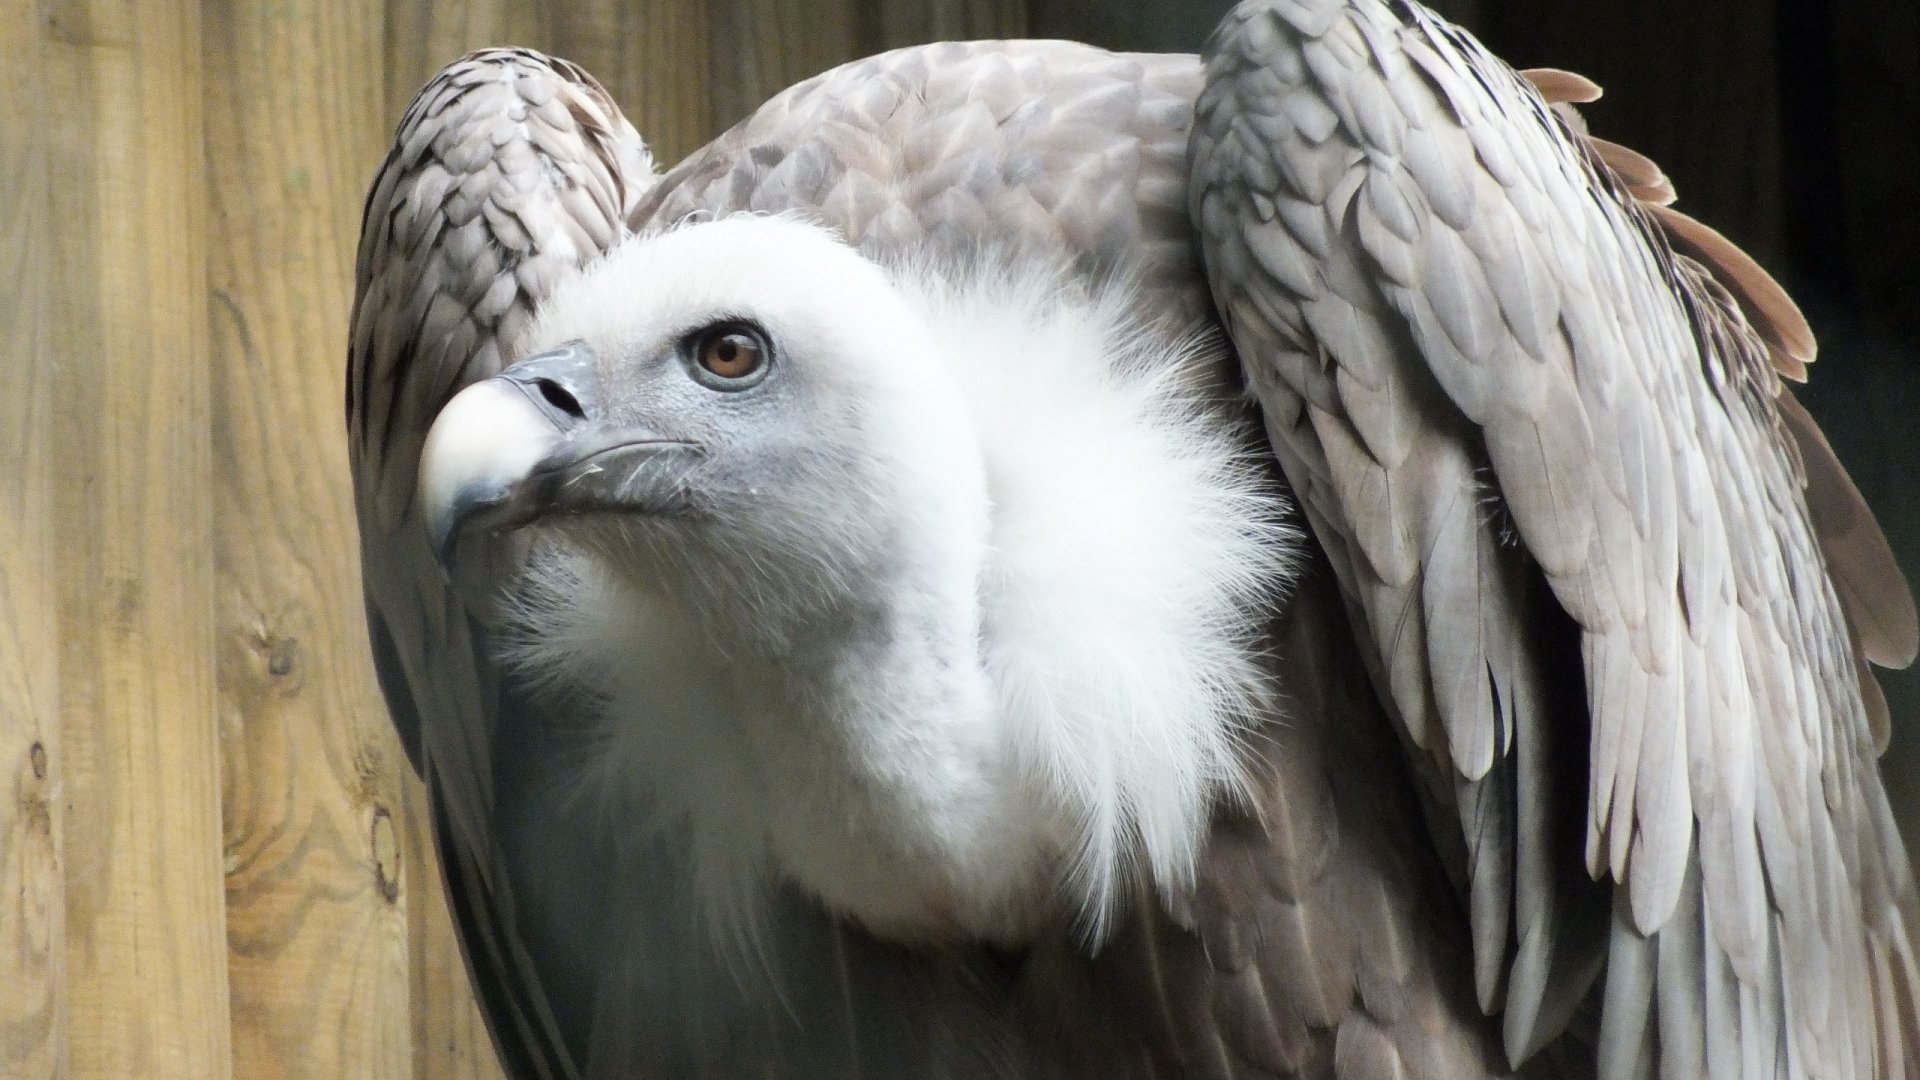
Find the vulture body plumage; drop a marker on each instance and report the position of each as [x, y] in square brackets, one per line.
[849, 623]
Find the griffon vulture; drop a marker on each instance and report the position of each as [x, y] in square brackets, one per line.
[1023, 561]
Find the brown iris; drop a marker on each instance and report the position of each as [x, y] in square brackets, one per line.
[731, 354]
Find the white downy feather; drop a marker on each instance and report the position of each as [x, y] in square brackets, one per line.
[982, 648]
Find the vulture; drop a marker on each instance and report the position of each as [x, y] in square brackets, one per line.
[1024, 561]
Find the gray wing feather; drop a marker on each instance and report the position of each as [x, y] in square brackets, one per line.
[507, 171]
[1498, 379]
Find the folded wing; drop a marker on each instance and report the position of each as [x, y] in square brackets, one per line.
[1536, 419]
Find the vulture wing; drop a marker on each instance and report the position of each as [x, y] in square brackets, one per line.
[1616, 588]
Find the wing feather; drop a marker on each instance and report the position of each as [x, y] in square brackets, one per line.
[1477, 297]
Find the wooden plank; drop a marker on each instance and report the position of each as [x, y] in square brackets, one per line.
[146, 942]
[652, 56]
[32, 892]
[655, 58]
[316, 916]
[761, 47]
[424, 36]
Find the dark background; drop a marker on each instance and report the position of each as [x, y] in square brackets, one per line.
[1793, 127]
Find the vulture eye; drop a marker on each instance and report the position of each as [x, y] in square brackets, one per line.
[729, 356]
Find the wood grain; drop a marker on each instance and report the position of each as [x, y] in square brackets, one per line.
[422, 36]
[145, 919]
[32, 891]
[761, 47]
[654, 58]
[317, 930]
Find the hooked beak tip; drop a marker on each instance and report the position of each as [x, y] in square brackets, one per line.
[449, 520]
[484, 442]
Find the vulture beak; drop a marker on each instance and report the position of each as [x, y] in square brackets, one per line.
[532, 442]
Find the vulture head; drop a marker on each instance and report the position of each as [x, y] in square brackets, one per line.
[932, 591]
[740, 415]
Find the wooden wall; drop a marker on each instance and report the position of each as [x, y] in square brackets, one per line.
[213, 858]
[212, 853]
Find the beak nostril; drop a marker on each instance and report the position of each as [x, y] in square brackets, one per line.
[560, 398]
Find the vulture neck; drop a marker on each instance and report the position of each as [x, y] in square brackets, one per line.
[889, 781]
[841, 731]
